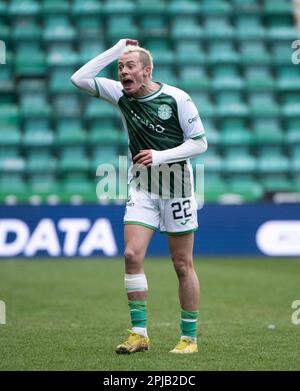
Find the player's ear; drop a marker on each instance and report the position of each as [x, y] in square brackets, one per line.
[147, 70]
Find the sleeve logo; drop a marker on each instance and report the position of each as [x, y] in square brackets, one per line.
[164, 112]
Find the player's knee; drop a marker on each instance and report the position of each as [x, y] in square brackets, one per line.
[183, 265]
[133, 258]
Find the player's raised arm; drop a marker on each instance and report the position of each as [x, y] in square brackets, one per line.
[84, 78]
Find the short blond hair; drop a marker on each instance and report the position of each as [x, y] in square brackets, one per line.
[145, 55]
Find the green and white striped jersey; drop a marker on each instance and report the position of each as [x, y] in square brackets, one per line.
[160, 121]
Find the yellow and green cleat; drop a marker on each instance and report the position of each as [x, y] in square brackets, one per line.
[134, 343]
[185, 346]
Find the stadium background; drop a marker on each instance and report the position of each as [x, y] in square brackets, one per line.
[234, 57]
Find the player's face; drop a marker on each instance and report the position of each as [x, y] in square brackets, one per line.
[132, 72]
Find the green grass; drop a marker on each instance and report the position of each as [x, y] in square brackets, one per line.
[70, 314]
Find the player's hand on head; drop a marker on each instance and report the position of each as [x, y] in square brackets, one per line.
[133, 42]
[144, 157]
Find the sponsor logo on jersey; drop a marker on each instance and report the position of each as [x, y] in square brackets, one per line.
[157, 128]
[164, 112]
[191, 120]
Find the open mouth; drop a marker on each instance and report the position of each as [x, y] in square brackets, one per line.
[127, 83]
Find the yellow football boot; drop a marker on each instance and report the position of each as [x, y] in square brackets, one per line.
[134, 343]
[184, 346]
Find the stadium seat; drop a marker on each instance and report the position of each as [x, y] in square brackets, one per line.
[246, 6]
[30, 60]
[40, 160]
[250, 27]
[59, 80]
[144, 7]
[193, 78]
[104, 155]
[259, 78]
[271, 161]
[9, 134]
[267, 131]
[288, 78]
[13, 187]
[56, 7]
[279, 7]
[293, 134]
[223, 52]
[165, 74]
[245, 188]
[86, 8]
[213, 7]
[70, 132]
[182, 7]
[5, 29]
[281, 53]
[77, 188]
[62, 54]
[190, 53]
[273, 183]
[204, 104]
[66, 106]
[98, 110]
[153, 27]
[23, 7]
[26, 29]
[73, 159]
[234, 132]
[89, 49]
[254, 52]
[7, 84]
[290, 104]
[106, 134]
[58, 28]
[121, 26]
[89, 27]
[11, 160]
[263, 104]
[118, 7]
[217, 27]
[230, 104]
[37, 133]
[161, 51]
[295, 159]
[3, 8]
[34, 105]
[185, 28]
[226, 77]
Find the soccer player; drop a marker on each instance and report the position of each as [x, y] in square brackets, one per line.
[163, 127]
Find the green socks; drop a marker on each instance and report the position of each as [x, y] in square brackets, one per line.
[138, 313]
[189, 323]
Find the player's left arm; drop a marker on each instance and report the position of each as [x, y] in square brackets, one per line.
[194, 145]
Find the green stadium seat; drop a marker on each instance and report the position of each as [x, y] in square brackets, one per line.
[165, 74]
[161, 51]
[213, 7]
[30, 60]
[250, 27]
[263, 104]
[295, 159]
[58, 28]
[57, 7]
[3, 8]
[26, 85]
[104, 155]
[9, 114]
[288, 78]
[77, 188]
[204, 104]
[290, 104]
[12, 188]
[40, 160]
[155, 7]
[59, 82]
[89, 49]
[267, 131]
[96, 109]
[278, 7]
[26, 29]
[118, 7]
[259, 78]
[230, 104]
[23, 7]
[235, 132]
[281, 53]
[293, 134]
[226, 77]
[217, 27]
[185, 28]
[119, 27]
[37, 133]
[62, 54]
[282, 33]
[104, 134]
[246, 6]
[9, 134]
[254, 52]
[34, 105]
[273, 183]
[7, 84]
[182, 7]
[70, 132]
[153, 27]
[211, 131]
[222, 52]
[239, 163]
[272, 161]
[66, 106]
[214, 188]
[193, 78]
[10, 159]
[89, 27]
[73, 159]
[190, 53]
[245, 188]
[86, 8]
[213, 162]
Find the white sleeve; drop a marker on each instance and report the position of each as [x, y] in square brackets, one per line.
[189, 117]
[85, 78]
[189, 149]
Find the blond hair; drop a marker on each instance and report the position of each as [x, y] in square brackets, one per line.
[145, 56]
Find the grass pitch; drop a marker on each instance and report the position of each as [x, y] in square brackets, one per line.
[70, 314]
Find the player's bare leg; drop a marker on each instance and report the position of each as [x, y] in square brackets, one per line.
[181, 248]
[137, 239]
